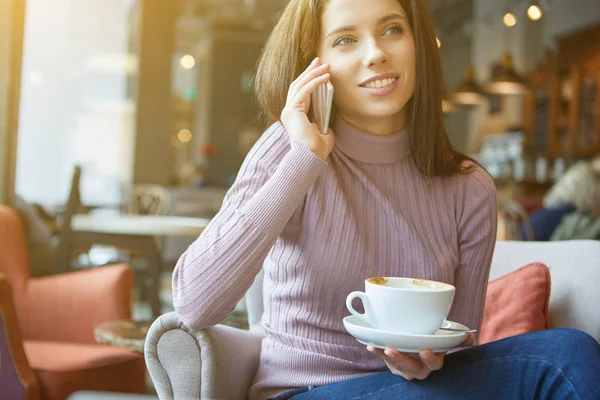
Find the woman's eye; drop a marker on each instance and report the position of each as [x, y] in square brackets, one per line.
[343, 41]
[393, 30]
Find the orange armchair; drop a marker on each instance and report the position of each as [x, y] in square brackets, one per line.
[47, 326]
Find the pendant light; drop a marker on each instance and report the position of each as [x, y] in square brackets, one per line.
[468, 92]
[534, 12]
[508, 81]
[448, 105]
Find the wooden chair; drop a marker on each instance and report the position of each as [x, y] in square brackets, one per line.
[62, 255]
[515, 216]
[147, 199]
[144, 199]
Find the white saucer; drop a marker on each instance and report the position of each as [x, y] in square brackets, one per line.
[404, 342]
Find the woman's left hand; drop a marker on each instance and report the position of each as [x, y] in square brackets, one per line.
[410, 365]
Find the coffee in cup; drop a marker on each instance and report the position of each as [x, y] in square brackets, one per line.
[404, 305]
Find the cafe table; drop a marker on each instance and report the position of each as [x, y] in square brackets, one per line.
[135, 232]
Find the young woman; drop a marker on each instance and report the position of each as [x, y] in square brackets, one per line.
[382, 194]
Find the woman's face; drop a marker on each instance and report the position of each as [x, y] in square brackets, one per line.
[371, 51]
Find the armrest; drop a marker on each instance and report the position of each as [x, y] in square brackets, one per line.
[67, 307]
[222, 359]
[16, 375]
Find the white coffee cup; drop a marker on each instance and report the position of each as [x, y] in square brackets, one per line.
[404, 305]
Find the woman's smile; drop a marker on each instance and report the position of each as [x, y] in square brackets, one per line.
[380, 85]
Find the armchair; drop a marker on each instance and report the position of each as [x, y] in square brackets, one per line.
[219, 363]
[47, 326]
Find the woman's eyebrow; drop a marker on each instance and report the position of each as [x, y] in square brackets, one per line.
[381, 20]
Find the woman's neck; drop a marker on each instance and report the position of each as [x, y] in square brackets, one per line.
[379, 126]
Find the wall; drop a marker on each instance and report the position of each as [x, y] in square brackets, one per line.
[567, 16]
[227, 114]
[154, 153]
[456, 56]
[490, 39]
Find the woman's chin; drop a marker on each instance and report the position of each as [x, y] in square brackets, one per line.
[381, 112]
[370, 111]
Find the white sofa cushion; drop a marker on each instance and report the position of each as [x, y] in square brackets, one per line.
[575, 278]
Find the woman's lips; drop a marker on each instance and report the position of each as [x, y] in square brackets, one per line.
[380, 91]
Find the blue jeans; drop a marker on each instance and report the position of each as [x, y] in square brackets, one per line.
[553, 364]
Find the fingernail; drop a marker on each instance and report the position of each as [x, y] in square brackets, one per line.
[315, 60]
[389, 353]
[370, 348]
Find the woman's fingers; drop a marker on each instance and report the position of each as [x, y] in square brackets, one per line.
[310, 87]
[406, 363]
[409, 366]
[313, 70]
[392, 367]
[310, 67]
[396, 371]
[302, 81]
[469, 340]
[432, 360]
[294, 115]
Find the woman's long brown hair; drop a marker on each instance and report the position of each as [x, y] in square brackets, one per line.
[292, 46]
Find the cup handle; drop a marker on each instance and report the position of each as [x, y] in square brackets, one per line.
[365, 300]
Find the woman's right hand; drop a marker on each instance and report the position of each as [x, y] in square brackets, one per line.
[294, 115]
[419, 366]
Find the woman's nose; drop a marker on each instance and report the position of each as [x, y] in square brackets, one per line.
[374, 54]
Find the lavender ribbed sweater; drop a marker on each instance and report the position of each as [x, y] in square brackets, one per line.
[319, 228]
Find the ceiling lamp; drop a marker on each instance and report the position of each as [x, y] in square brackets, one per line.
[534, 12]
[508, 81]
[468, 92]
[187, 61]
[448, 106]
[509, 20]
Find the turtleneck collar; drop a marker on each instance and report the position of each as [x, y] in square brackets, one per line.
[369, 148]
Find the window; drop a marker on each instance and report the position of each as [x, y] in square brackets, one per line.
[78, 105]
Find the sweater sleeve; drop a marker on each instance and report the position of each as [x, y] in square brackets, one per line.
[218, 268]
[476, 242]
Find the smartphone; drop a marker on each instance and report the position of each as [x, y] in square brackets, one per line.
[322, 100]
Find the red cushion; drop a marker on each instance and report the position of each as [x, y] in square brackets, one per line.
[63, 368]
[516, 303]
